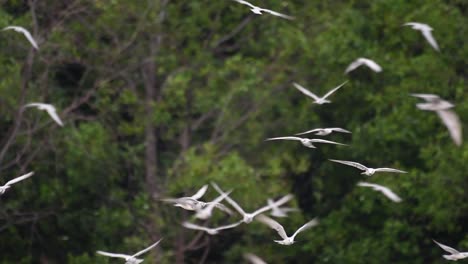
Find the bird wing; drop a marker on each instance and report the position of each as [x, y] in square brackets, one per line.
[147, 249]
[194, 226]
[412, 24]
[353, 65]
[452, 122]
[427, 97]
[390, 194]
[229, 226]
[213, 203]
[281, 201]
[230, 201]
[254, 259]
[245, 3]
[273, 224]
[34, 105]
[278, 14]
[53, 114]
[306, 92]
[390, 170]
[113, 255]
[310, 131]
[338, 129]
[333, 90]
[26, 33]
[20, 178]
[284, 138]
[373, 65]
[326, 141]
[351, 163]
[223, 208]
[428, 36]
[200, 192]
[306, 226]
[447, 248]
[366, 184]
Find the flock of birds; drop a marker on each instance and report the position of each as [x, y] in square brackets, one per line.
[204, 210]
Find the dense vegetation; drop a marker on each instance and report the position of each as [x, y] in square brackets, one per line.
[160, 97]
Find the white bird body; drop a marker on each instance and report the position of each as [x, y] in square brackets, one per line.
[454, 254]
[280, 229]
[443, 110]
[324, 131]
[254, 259]
[363, 61]
[308, 142]
[280, 212]
[190, 203]
[318, 100]
[384, 190]
[426, 31]
[248, 217]
[259, 11]
[367, 171]
[129, 259]
[15, 180]
[50, 109]
[210, 231]
[25, 32]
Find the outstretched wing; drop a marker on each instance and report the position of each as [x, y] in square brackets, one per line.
[200, 192]
[338, 129]
[333, 90]
[20, 178]
[278, 14]
[306, 226]
[389, 170]
[281, 201]
[351, 163]
[53, 114]
[310, 131]
[372, 65]
[245, 3]
[428, 36]
[446, 248]
[113, 255]
[353, 65]
[227, 198]
[26, 33]
[273, 224]
[254, 259]
[453, 124]
[306, 92]
[146, 249]
[384, 190]
[326, 141]
[194, 226]
[284, 138]
[229, 226]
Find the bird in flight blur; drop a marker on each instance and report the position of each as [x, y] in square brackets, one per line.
[258, 10]
[129, 259]
[364, 61]
[248, 217]
[25, 32]
[15, 180]
[426, 31]
[386, 191]
[367, 171]
[454, 254]
[211, 231]
[254, 259]
[277, 211]
[205, 212]
[308, 142]
[442, 108]
[50, 109]
[324, 131]
[318, 100]
[280, 229]
[190, 203]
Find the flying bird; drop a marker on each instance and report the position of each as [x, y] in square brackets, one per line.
[386, 191]
[454, 254]
[306, 141]
[443, 110]
[363, 61]
[324, 131]
[254, 259]
[258, 10]
[280, 229]
[15, 180]
[277, 211]
[248, 217]
[129, 259]
[210, 231]
[25, 32]
[318, 100]
[190, 203]
[205, 212]
[367, 171]
[50, 110]
[426, 31]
